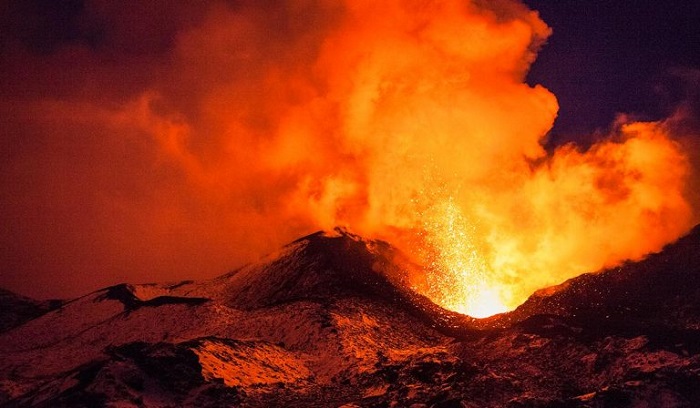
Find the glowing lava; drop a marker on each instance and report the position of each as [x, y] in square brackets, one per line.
[459, 278]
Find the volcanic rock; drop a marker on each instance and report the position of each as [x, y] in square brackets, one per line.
[661, 291]
[331, 320]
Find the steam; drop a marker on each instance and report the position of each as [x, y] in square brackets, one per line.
[250, 124]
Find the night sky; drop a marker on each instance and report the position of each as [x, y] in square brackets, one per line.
[610, 57]
[86, 200]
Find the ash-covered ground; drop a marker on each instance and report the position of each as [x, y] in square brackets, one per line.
[331, 321]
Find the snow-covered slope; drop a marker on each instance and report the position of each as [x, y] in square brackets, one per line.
[316, 311]
[330, 320]
[16, 309]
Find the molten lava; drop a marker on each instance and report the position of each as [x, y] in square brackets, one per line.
[459, 278]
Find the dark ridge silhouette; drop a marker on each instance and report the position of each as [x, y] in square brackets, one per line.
[124, 294]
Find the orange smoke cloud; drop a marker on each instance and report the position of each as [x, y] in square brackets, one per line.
[404, 120]
[443, 136]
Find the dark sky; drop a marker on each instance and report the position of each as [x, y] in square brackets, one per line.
[117, 160]
[610, 57]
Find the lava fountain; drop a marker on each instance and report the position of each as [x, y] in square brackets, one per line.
[415, 116]
[441, 134]
[459, 277]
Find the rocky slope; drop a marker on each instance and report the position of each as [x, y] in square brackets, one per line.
[331, 321]
[17, 309]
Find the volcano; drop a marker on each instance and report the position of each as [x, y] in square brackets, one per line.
[331, 320]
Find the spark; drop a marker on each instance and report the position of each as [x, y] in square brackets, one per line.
[459, 277]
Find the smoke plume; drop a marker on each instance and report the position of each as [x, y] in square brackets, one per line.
[154, 141]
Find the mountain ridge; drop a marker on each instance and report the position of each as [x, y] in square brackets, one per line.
[331, 320]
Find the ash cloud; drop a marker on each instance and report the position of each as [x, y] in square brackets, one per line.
[153, 141]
